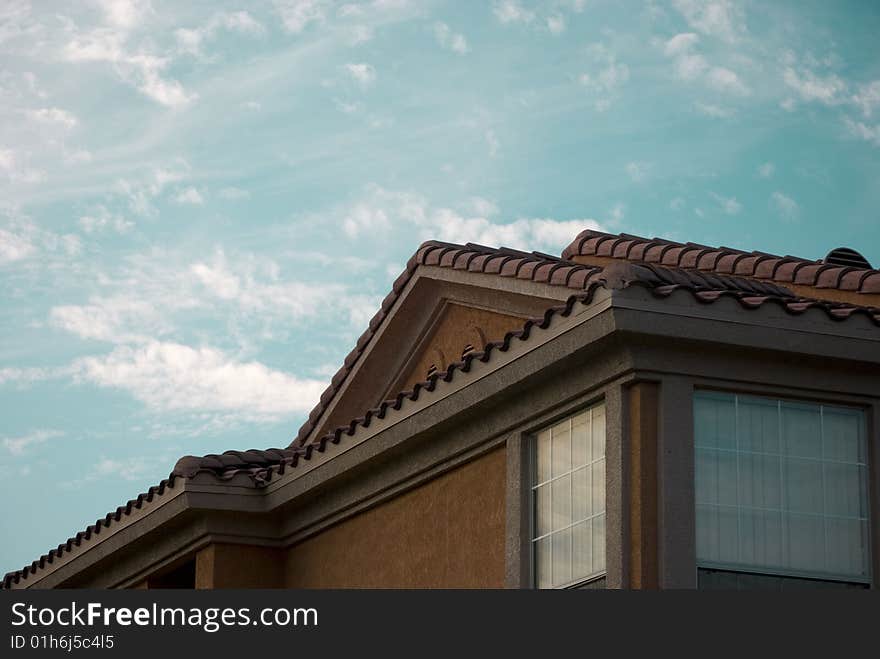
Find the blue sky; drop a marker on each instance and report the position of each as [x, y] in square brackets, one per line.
[202, 204]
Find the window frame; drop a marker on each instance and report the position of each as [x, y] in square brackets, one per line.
[774, 394]
[531, 442]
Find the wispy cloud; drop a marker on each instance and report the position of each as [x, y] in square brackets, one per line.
[786, 207]
[767, 170]
[638, 171]
[191, 41]
[727, 204]
[19, 445]
[363, 73]
[450, 40]
[722, 19]
[713, 110]
[691, 66]
[297, 15]
[607, 78]
[54, 116]
[189, 196]
[511, 11]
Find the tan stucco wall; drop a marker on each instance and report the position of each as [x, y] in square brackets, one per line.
[238, 566]
[447, 533]
[458, 327]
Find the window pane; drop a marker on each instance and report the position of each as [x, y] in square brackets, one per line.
[543, 453]
[582, 550]
[780, 486]
[561, 449]
[581, 493]
[543, 515]
[561, 502]
[569, 500]
[581, 452]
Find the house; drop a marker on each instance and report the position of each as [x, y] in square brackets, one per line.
[637, 413]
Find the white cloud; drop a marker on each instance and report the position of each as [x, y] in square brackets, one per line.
[18, 445]
[864, 131]
[638, 171]
[296, 15]
[714, 111]
[449, 39]
[511, 11]
[725, 80]
[688, 65]
[680, 44]
[124, 14]
[728, 204]
[117, 319]
[141, 193]
[556, 24]
[692, 66]
[811, 87]
[191, 40]
[258, 290]
[189, 196]
[606, 81]
[143, 71]
[17, 172]
[785, 206]
[676, 204]
[27, 376]
[362, 72]
[102, 219]
[364, 218]
[175, 377]
[867, 98]
[21, 239]
[14, 247]
[385, 209]
[767, 170]
[717, 18]
[53, 116]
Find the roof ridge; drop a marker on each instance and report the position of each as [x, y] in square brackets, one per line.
[724, 260]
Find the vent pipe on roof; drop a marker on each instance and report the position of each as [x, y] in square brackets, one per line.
[847, 257]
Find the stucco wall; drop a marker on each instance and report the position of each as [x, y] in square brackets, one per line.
[447, 533]
[238, 566]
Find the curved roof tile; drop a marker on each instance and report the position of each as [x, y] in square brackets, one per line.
[758, 265]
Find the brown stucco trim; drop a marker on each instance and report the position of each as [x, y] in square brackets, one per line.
[642, 433]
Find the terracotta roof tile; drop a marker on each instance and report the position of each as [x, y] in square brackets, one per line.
[758, 265]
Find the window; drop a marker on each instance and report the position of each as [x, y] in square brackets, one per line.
[781, 491]
[568, 495]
